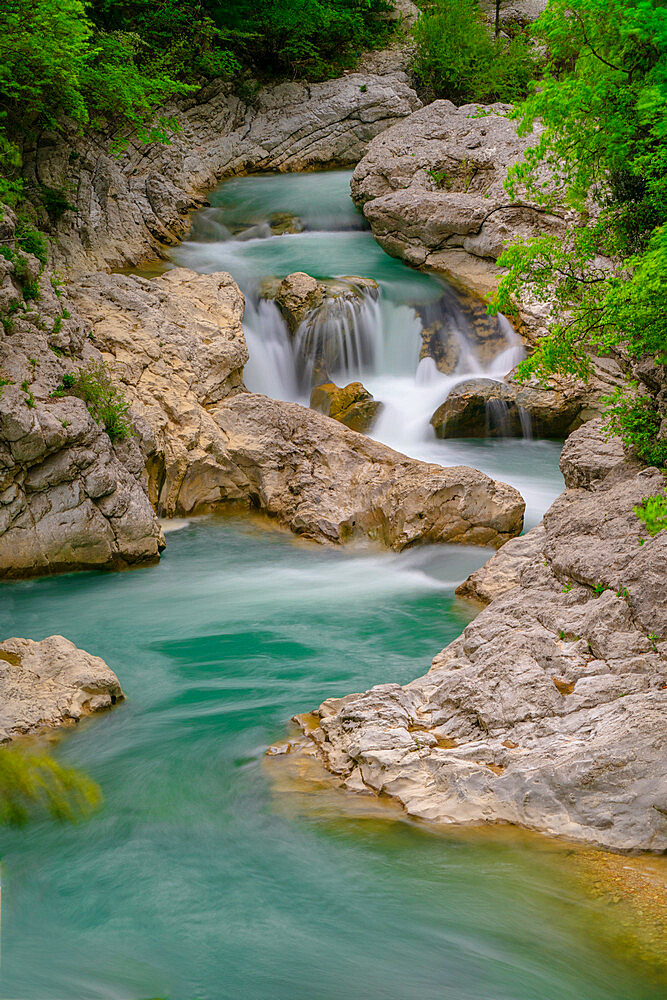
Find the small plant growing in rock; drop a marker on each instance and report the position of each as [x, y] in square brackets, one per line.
[622, 592]
[600, 588]
[439, 177]
[566, 588]
[653, 512]
[30, 399]
[106, 403]
[653, 639]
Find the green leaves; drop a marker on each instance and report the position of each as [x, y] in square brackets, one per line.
[653, 512]
[602, 112]
[458, 59]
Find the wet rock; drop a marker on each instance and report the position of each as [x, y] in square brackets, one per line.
[548, 711]
[351, 405]
[298, 295]
[217, 444]
[485, 408]
[50, 683]
[455, 319]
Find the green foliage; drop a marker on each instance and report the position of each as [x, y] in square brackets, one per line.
[635, 418]
[55, 66]
[653, 512]
[109, 64]
[106, 403]
[34, 784]
[457, 58]
[55, 202]
[603, 149]
[31, 241]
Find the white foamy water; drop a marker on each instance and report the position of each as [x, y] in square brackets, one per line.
[375, 338]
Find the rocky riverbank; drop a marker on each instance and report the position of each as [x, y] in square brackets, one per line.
[129, 208]
[548, 711]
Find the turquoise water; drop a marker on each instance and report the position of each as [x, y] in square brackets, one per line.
[195, 880]
[210, 873]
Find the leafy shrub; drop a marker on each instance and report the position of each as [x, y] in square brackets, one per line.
[653, 512]
[636, 419]
[34, 784]
[457, 58]
[106, 403]
[30, 240]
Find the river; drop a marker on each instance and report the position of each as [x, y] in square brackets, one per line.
[205, 877]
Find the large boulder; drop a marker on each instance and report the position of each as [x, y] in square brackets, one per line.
[431, 187]
[127, 208]
[548, 711]
[50, 683]
[483, 407]
[216, 443]
[351, 404]
[69, 497]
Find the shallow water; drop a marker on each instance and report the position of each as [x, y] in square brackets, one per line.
[205, 875]
[195, 881]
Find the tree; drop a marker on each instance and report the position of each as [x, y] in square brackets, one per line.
[603, 108]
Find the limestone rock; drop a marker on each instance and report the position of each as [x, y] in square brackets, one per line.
[431, 187]
[50, 683]
[351, 405]
[216, 444]
[128, 208]
[548, 711]
[329, 483]
[69, 498]
[297, 295]
[482, 407]
[503, 570]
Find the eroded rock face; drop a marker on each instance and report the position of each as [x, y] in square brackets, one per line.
[431, 187]
[50, 683]
[483, 407]
[69, 498]
[215, 443]
[351, 405]
[548, 711]
[129, 208]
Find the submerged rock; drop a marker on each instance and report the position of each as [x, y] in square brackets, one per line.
[482, 407]
[177, 344]
[50, 683]
[548, 711]
[351, 405]
[282, 223]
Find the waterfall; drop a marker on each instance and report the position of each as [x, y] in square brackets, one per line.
[270, 369]
[340, 339]
[498, 419]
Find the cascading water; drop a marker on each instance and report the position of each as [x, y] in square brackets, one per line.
[340, 338]
[410, 341]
